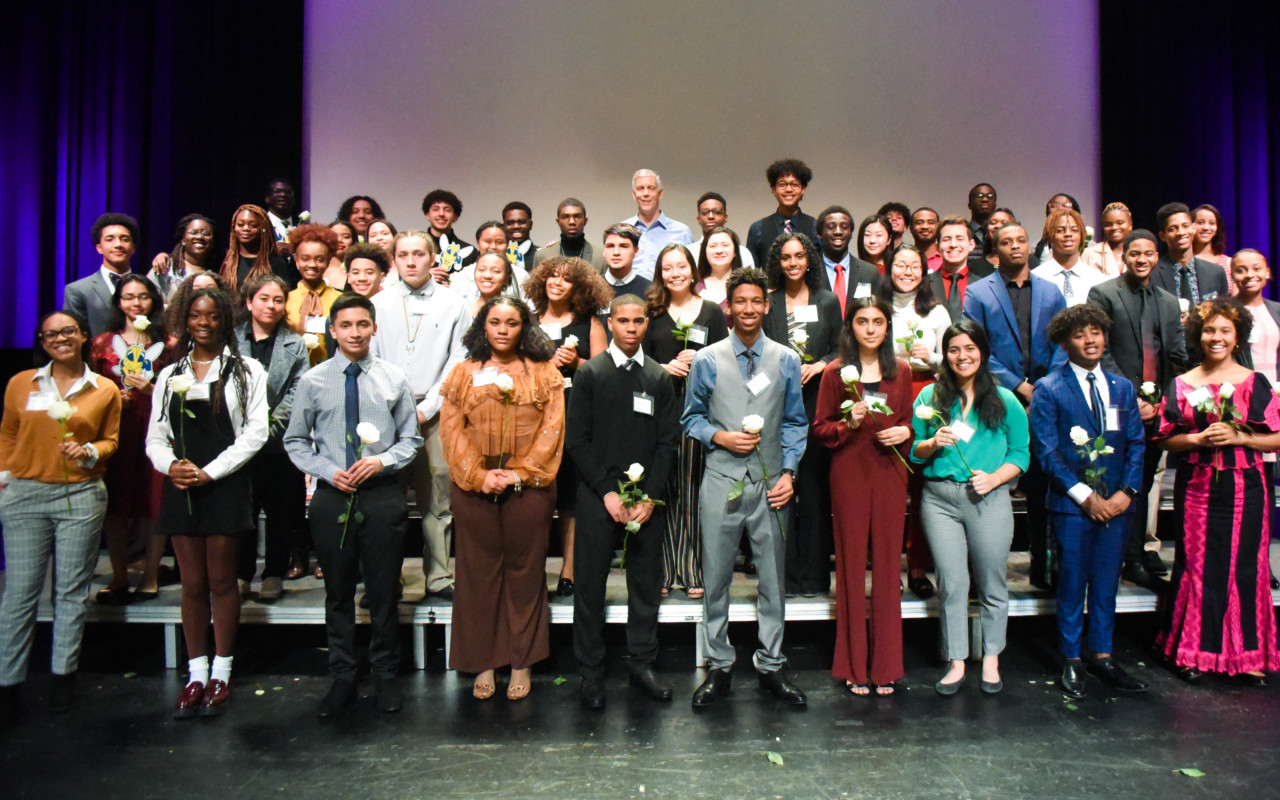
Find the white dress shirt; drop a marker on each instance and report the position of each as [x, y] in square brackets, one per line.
[1080, 492]
[620, 358]
[1082, 278]
[420, 331]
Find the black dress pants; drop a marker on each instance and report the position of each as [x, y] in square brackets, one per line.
[280, 490]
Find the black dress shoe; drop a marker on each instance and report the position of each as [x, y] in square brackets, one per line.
[1072, 682]
[388, 694]
[1109, 671]
[1152, 562]
[1134, 572]
[1190, 675]
[921, 587]
[777, 684]
[564, 588]
[62, 693]
[648, 680]
[591, 694]
[341, 695]
[717, 685]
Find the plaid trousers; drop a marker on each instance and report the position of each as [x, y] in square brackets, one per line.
[38, 528]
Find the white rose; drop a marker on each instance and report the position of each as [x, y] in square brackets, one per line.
[634, 472]
[368, 433]
[571, 341]
[752, 423]
[504, 383]
[1148, 387]
[1184, 305]
[849, 374]
[801, 338]
[61, 410]
[141, 323]
[846, 407]
[181, 383]
[924, 412]
[311, 340]
[305, 216]
[1226, 391]
[1079, 436]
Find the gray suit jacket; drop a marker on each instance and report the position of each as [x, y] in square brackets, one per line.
[588, 254]
[90, 298]
[289, 360]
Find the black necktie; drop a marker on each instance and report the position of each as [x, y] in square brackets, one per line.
[116, 277]
[1096, 399]
[954, 303]
[353, 413]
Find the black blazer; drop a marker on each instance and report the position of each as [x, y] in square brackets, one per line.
[1245, 354]
[824, 335]
[1211, 278]
[1123, 354]
[762, 232]
[859, 272]
[978, 269]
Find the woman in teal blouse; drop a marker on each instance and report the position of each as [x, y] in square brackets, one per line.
[972, 440]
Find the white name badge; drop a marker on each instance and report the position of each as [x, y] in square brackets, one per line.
[697, 334]
[1208, 295]
[961, 430]
[805, 313]
[1199, 396]
[1113, 418]
[552, 330]
[316, 324]
[862, 290]
[198, 391]
[758, 384]
[568, 382]
[642, 403]
[484, 377]
[39, 401]
[876, 398]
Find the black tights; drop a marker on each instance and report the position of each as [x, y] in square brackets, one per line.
[209, 589]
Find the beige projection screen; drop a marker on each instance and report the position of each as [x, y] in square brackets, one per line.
[496, 100]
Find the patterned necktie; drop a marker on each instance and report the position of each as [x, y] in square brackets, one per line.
[751, 363]
[1188, 284]
[1095, 398]
[353, 413]
[786, 225]
[1067, 291]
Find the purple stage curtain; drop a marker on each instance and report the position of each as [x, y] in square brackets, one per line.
[152, 109]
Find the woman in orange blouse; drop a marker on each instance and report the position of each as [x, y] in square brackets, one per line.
[52, 498]
[503, 430]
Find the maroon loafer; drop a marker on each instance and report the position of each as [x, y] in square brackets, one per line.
[188, 704]
[216, 695]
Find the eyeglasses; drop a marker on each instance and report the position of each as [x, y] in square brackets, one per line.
[62, 333]
[787, 185]
[200, 234]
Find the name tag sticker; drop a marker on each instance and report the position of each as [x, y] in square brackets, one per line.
[862, 290]
[805, 313]
[39, 401]
[568, 382]
[1208, 295]
[316, 324]
[697, 334]
[552, 330]
[876, 398]
[642, 403]
[758, 384]
[198, 391]
[1113, 418]
[1199, 396]
[961, 430]
[484, 377]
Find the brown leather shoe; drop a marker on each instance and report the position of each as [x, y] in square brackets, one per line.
[188, 704]
[216, 695]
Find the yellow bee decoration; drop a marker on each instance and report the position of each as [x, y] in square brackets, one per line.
[134, 359]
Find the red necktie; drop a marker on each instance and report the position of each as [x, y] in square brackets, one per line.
[839, 287]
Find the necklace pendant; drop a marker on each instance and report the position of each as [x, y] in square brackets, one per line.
[409, 348]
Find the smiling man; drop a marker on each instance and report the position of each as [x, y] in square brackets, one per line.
[845, 274]
[657, 230]
[982, 203]
[1064, 231]
[116, 237]
[517, 218]
[1180, 273]
[924, 232]
[788, 179]
[956, 271]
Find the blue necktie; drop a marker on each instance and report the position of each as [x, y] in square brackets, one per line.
[1096, 399]
[353, 413]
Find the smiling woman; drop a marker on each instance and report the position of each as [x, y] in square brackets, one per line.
[308, 305]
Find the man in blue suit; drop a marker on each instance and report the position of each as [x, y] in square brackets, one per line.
[1091, 488]
[1015, 307]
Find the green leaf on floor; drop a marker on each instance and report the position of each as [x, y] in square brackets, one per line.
[735, 491]
[1190, 772]
[131, 674]
[1072, 707]
[260, 692]
[277, 688]
[774, 758]
[560, 679]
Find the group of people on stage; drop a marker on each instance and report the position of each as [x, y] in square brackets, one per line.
[808, 390]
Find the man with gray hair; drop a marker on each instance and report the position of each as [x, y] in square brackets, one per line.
[657, 229]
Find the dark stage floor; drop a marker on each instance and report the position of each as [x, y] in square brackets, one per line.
[119, 741]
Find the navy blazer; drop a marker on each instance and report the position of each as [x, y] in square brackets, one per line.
[987, 303]
[1057, 405]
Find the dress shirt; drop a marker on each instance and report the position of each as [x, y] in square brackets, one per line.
[987, 450]
[1083, 278]
[260, 349]
[933, 263]
[1020, 299]
[1081, 491]
[831, 272]
[281, 225]
[620, 358]
[252, 427]
[107, 273]
[702, 381]
[661, 232]
[432, 321]
[316, 440]
[961, 285]
[1185, 280]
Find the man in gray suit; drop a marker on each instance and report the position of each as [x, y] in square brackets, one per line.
[571, 216]
[116, 238]
[750, 465]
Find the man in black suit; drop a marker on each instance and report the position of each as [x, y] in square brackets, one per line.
[842, 268]
[116, 238]
[1180, 273]
[622, 413]
[951, 279]
[1146, 346]
[788, 178]
[982, 203]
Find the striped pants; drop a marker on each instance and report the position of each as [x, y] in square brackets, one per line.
[38, 529]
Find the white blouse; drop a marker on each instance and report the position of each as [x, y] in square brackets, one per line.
[928, 329]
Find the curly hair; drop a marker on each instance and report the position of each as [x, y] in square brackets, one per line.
[533, 345]
[368, 251]
[658, 295]
[315, 232]
[849, 348]
[266, 246]
[1054, 219]
[704, 266]
[348, 206]
[182, 295]
[1069, 320]
[156, 317]
[589, 294]
[812, 273]
[1228, 307]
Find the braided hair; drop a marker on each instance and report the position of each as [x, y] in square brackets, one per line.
[266, 247]
[233, 364]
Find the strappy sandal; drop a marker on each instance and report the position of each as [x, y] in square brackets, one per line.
[483, 691]
[857, 689]
[518, 691]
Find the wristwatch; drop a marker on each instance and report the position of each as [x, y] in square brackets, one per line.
[1128, 490]
[789, 471]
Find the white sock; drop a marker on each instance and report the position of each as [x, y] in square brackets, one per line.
[222, 669]
[199, 669]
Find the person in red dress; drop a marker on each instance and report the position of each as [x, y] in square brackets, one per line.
[868, 493]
